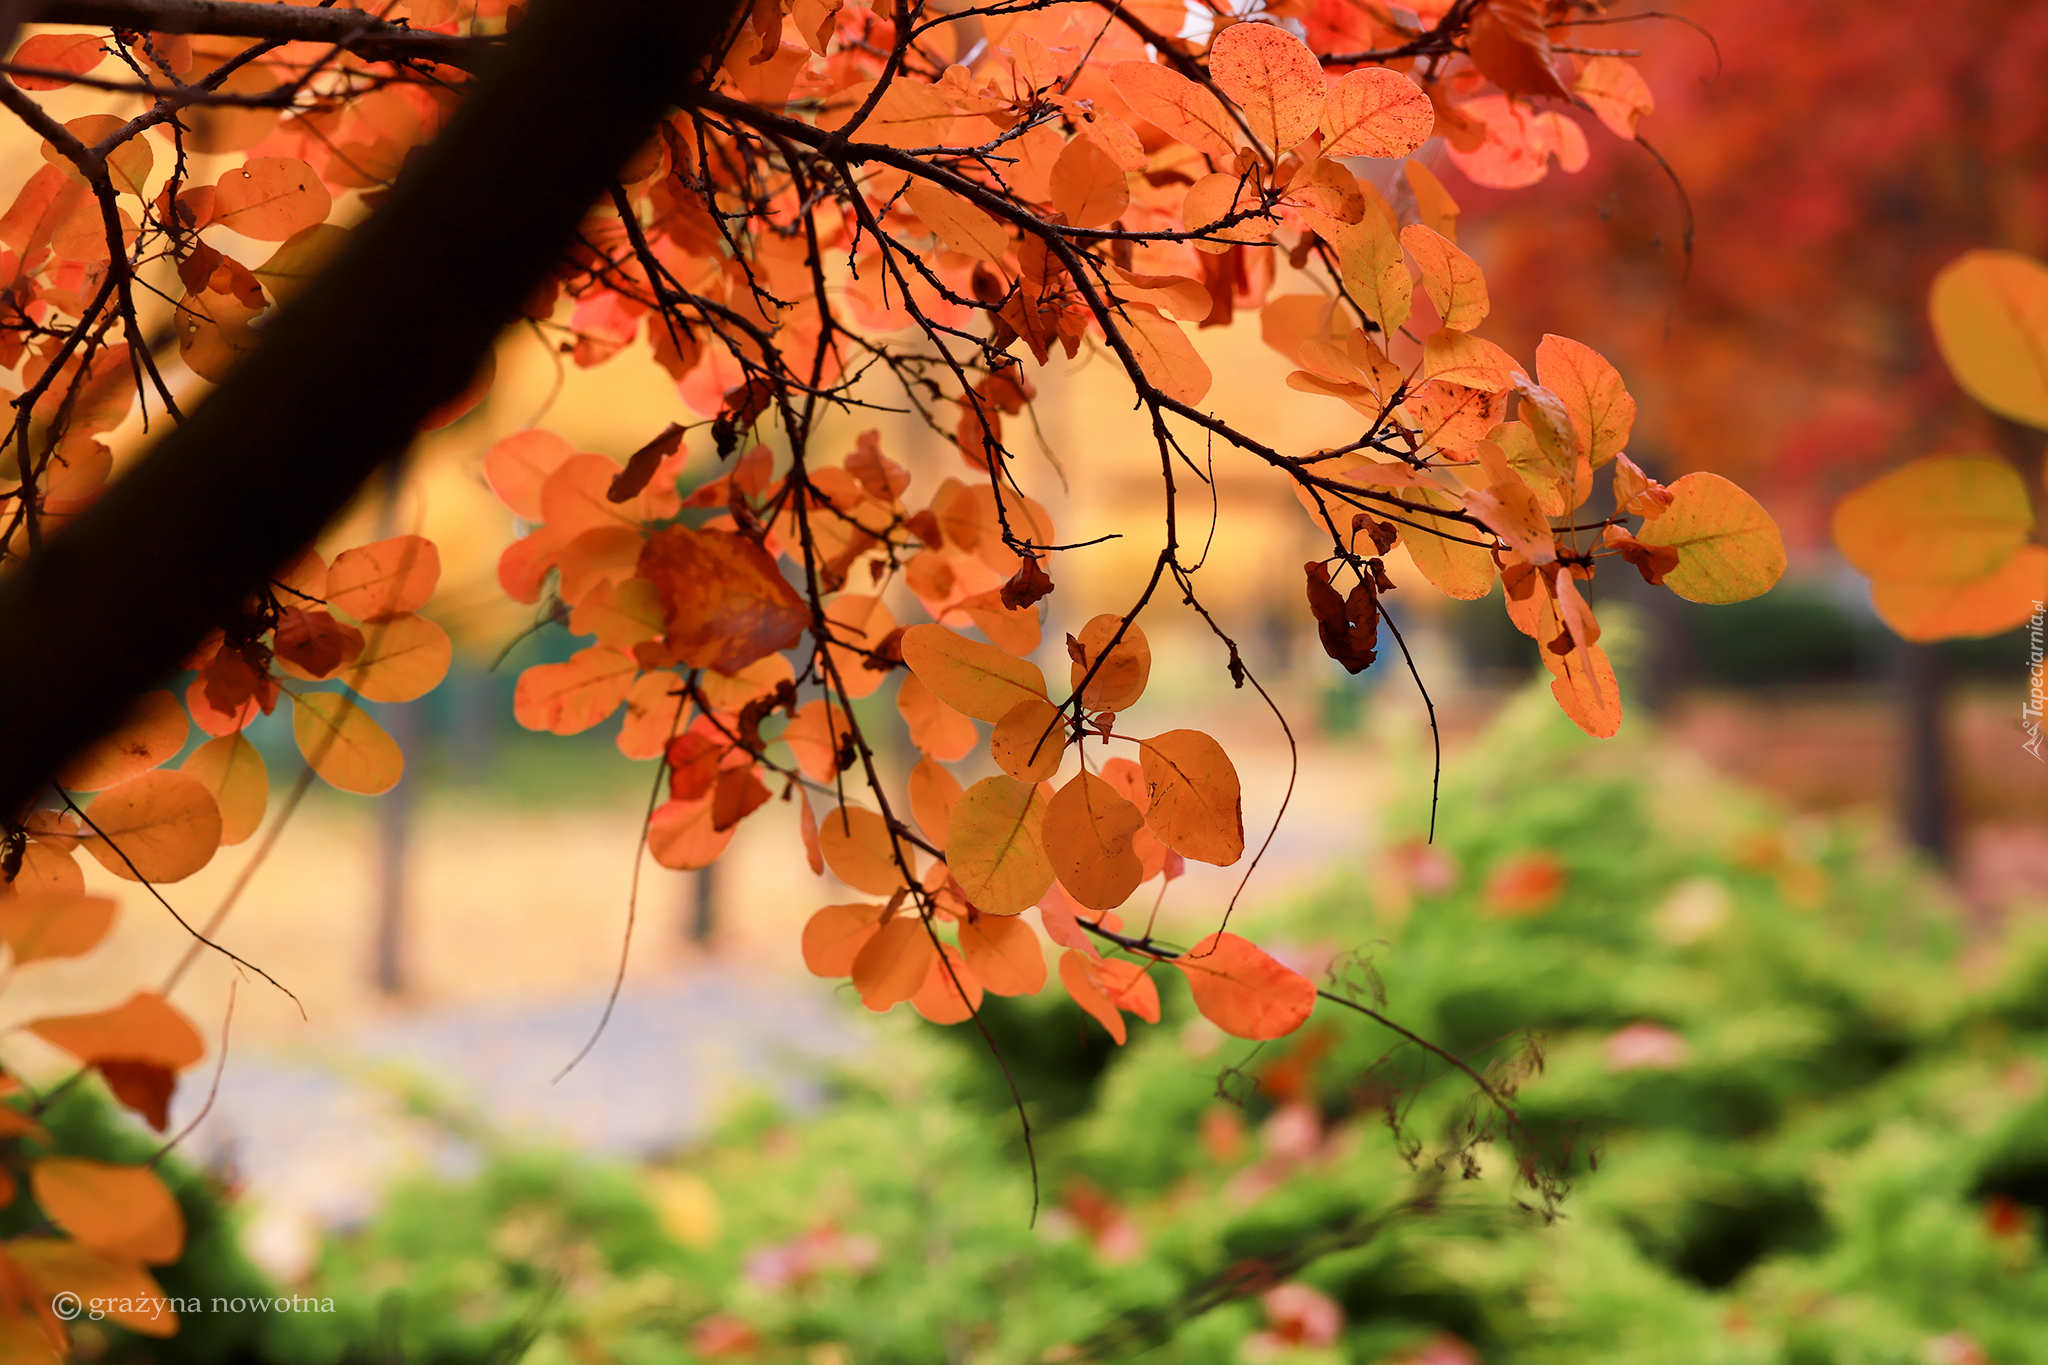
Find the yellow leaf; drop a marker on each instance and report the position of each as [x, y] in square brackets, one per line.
[160, 827]
[233, 770]
[1374, 273]
[1375, 111]
[1455, 283]
[974, 679]
[404, 656]
[342, 744]
[2003, 599]
[994, 845]
[1729, 549]
[1990, 313]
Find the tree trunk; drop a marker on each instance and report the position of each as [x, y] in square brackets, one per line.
[396, 327]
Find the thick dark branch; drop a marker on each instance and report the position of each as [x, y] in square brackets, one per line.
[363, 34]
[396, 327]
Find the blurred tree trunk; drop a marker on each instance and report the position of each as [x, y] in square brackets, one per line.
[1925, 807]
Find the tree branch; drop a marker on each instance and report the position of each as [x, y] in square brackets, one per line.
[363, 34]
[396, 327]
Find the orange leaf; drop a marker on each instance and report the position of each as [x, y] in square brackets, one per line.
[1176, 105]
[1454, 281]
[994, 846]
[270, 198]
[1029, 741]
[1617, 92]
[863, 622]
[682, 835]
[962, 226]
[1169, 360]
[152, 731]
[2005, 598]
[1526, 884]
[621, 614]
[1374, 273]
[344, 745]
[568, 698]
[45, 926]
[383, 579]
[857, 847]
[834, 936]
[128, 1295]
[165, 823]
[518, 467]
[1439, 211]
[1121, 679]
[404, 656]
[1243, 991]
[1459, 358]
[656, 711]
[1591, 390]
[1271, 75]
[1511, 511]
[727, 602]
[77, 53]
[948, 997]
[1373, 111]
[1088, 831]
[1087, 186]
[974, 679]
[1942, 519]
[1510, 45]
[1990, 314]
[1728, 547]
[1004, 954]
[893, 965]
[933, 790]
[146, 1028]
[1074, 976]
[1195, 806]
[935, 727]
[122, 1211]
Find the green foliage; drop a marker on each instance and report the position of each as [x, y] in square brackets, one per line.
[1801, 1125]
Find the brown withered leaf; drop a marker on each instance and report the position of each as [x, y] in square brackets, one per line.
[143, 1087]
[644, 461]
[1651, 561]
[1510, 45]
[1027, 585]
[725, 603]
[315, 641]
[739, 794]
[1349, 626]
[1385, 535]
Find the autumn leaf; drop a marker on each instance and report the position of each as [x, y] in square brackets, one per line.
[1438, 209]
[1243, 991]
[1177, 106]
[120, 1211]
[1591, 390]
[518, 467]
[1454, 281]
[1120, 675]
[340, 741]
[933, 791]
[1374, 273]
[935, 727]
[1728, 547]
[833, 936]
[269, 197]
[994, 845]
[682, 834]
[1990, 314]
[159, 827]
[1525, 884]
[383, 579]
[974, 679]
[2002, 600]
[1349, 627]
[1944, 519]
[726, 602]
[859, 849]
[1510, 45]
[129, 1297]
[1029, 741]
[1087, 835]
[76, 53]
[403, 657]
[1169, 360]
[1003, 954]
[145, 1028]
[1617, 93]
[1088, 188]
[46, 925]
[1272, 76]
[1374, 111]
[151, 732]
[569, 697]
[961, 225]
[951, 992]
[1195, 807]
[892, 966]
